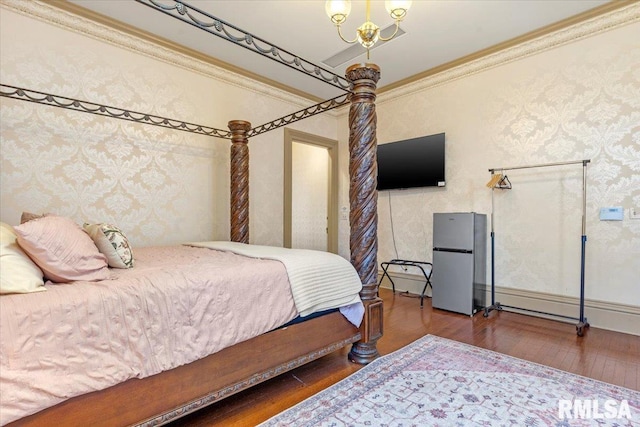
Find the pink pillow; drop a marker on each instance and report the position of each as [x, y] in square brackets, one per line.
[62, 249]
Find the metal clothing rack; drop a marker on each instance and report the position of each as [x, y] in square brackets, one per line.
[503, 183]
[406, 263]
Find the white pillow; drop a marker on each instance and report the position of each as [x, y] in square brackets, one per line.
[18, 274]
[111, 242]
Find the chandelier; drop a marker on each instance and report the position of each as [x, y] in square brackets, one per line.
[368, 33]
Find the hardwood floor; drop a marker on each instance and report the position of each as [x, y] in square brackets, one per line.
[604, 355]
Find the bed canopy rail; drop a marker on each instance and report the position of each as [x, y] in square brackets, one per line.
[59, 101]
[108, 111]
[216, 26]
[321, 107]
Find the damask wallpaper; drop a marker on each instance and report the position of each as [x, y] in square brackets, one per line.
[159, 186]
[571, 101]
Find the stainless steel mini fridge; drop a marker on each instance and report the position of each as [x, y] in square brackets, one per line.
[459, 262]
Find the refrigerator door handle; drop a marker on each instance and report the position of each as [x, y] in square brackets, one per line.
[461, 251]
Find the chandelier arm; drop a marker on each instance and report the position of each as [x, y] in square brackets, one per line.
[392, 35]
[342, 37]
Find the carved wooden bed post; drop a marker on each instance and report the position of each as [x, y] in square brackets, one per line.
[239, 180]
[363, 198]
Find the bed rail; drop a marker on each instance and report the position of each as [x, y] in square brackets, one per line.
[109, 111]
[216, 26]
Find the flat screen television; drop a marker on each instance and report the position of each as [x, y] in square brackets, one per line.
[411, 163]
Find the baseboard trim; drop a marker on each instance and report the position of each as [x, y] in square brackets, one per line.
[600, 314]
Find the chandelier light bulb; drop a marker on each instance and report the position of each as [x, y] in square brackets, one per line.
[397, 8]
[338, 10]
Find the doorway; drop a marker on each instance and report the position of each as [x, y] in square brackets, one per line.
[310, 191]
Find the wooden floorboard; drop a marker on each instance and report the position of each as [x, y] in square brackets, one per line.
[603, 355]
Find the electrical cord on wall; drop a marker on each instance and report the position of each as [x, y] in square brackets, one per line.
[393, 238]
[393, 234]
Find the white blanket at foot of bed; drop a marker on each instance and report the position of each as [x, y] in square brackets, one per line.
[319, 280]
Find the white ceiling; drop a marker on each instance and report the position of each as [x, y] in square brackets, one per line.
[436, 32]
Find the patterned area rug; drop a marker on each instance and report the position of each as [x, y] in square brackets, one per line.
[439, 382]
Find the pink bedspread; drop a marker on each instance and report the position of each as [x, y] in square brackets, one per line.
[178, 304]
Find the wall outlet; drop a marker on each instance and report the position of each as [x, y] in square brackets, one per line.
[634, 213]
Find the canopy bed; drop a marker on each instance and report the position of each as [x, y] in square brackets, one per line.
[165, 396]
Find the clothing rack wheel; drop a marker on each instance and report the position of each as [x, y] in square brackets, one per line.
[495, 306]
[580, 327]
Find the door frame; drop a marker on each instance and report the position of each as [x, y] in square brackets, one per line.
[291, 136]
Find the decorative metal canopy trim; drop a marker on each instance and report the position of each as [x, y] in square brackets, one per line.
[133, 116]
[327, 105]
[209, 23]
[105, 110]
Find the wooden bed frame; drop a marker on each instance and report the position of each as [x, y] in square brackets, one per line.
[171, 394]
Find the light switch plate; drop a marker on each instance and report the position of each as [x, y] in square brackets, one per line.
[344, 213]
[612, 214]
[634, 213]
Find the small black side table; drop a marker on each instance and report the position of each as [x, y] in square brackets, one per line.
[407, 263]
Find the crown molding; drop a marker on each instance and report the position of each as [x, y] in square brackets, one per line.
[75, 18]
[80, 20]
[601, 19]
